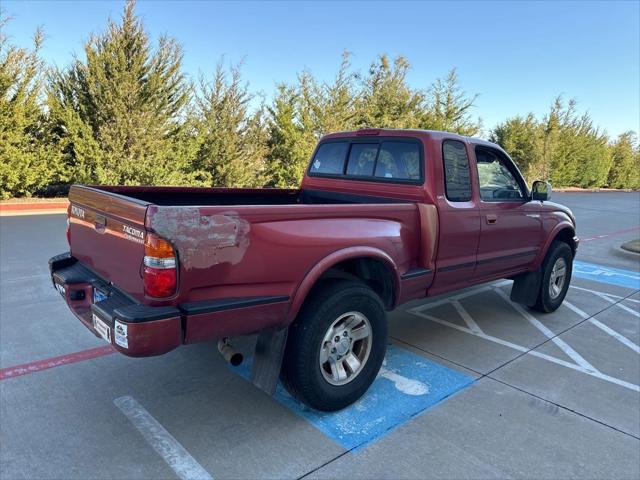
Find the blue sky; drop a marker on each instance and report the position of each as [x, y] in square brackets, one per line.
[517, 55]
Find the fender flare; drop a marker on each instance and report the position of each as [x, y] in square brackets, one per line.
[331, 260]
[564, 225]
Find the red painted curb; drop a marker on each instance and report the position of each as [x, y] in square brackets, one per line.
[9, 207]
[47, 363]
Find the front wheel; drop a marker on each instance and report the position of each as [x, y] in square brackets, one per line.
[556, 276]
[336, 345]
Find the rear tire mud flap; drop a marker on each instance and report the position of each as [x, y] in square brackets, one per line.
[526, 288]
[267, 359]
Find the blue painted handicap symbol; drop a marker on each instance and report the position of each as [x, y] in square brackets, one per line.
[613, 276]
[407, 385]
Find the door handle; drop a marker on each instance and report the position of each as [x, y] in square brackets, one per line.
[492, 219]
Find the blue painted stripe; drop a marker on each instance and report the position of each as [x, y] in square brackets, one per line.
[407, 385]
[612, 276]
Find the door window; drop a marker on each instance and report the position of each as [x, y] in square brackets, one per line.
[457, 181]
[497, 182]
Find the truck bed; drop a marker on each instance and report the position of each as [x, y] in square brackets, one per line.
[194, 196]
[234, 247]
[232, 242]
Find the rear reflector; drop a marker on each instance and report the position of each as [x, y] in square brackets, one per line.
[160, 267]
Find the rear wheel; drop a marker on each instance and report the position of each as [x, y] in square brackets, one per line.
[336, 345]
[556, 276]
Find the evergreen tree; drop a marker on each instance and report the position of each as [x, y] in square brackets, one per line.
[301, 114]
[116, 116]
[26, 162]
[625, 169]
[386, 101]
[564, 147]
[232, 142]
[449, 107]
[520, 136]
[291, 139]
[335, 103]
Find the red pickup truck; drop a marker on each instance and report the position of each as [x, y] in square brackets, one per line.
[382, 217]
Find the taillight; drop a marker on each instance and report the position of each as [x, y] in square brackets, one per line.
[160, 277]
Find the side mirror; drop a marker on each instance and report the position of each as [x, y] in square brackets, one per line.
[540, 191]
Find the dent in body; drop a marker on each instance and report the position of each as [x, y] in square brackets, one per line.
[203, 240]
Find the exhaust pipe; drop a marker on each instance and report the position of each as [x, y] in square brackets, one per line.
[228, 353]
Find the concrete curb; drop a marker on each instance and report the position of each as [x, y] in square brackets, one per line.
[33, 208]
[632, 246]
[626, 254]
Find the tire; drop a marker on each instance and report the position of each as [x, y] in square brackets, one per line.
[332, 309]
[549, 297]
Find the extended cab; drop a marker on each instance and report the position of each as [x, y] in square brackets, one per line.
[382, 217]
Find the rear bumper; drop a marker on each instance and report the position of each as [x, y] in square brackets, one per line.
[132, 328]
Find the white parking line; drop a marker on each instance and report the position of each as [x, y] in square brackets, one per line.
[520, 348]
[605, 328]
[606, 297]
[471, 323]
[180, 461]
[575, 356]
[611, 295]
[581, 364]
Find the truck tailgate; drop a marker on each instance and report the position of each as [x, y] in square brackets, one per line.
[107, 235]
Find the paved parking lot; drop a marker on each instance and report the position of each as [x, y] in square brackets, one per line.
[473, 387]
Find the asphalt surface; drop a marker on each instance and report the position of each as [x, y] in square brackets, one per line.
[473, 387]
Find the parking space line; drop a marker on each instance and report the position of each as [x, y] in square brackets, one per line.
[471, 323]
[520, 348]
[605, 328]
[581, 365]
[575, 356]
[45, 364]
[610, 295]
[172, 452]
[617, 304]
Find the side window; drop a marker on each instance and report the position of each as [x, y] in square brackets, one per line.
[398, 160]
[329, 158]
[457, 178]
[362, 159]
[497, 183]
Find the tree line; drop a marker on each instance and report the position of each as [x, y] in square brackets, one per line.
[127, 114]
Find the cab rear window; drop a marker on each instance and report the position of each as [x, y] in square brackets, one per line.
[391, 160]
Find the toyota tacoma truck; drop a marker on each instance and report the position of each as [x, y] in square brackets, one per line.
[382, 217]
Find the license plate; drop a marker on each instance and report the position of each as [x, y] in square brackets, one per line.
[98, 295]
[102, 328]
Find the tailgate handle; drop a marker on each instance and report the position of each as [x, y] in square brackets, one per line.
[492, 219]
[100, 223]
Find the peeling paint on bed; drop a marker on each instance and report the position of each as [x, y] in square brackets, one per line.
[203, 240]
